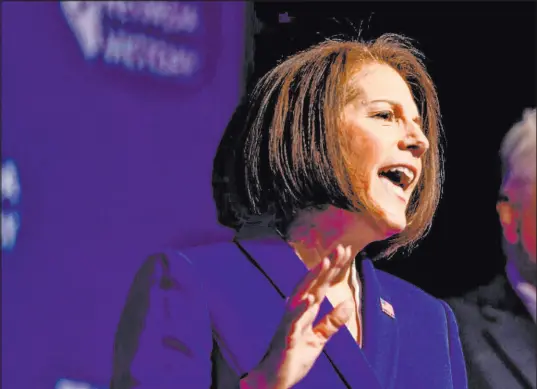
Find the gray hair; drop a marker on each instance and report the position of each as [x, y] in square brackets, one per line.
[518, 154]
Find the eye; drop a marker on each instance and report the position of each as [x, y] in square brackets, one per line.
[385, 115]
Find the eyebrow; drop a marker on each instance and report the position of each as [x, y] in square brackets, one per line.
[417, 119]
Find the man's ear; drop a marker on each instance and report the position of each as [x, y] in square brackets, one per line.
[509, 221]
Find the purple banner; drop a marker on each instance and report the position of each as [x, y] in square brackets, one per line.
[178, 41]
[112, 144]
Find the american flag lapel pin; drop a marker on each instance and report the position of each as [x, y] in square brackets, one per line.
[387, 308]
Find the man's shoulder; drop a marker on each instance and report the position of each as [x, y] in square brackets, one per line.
[484, 302]
[490, 293]
[466, 308]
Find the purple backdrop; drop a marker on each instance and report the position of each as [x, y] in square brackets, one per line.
[113, 164]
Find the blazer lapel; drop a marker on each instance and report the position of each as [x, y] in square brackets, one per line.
[381, 335]
[355, 367]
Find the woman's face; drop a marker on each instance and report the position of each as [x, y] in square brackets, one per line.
[387, 143]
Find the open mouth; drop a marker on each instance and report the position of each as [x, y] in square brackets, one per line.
[401, 177]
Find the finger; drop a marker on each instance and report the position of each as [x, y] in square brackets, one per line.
[318, 273]
[307, 318]
[319, 278]
[340, 267]
[319, 290]
[308, 282]
[344, 267]
[295, 315]
[333, 321]
[333, 262]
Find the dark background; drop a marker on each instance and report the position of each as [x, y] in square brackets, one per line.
[482, 58]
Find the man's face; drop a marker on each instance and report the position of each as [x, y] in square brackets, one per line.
[518, 219]
[528, 224]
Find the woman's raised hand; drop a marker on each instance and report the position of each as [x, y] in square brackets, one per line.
[298, 343]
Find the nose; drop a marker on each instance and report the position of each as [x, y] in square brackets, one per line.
[415, 141]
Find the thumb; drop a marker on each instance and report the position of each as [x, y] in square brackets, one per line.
[333, 321]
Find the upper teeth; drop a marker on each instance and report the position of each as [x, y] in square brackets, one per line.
[403, 170]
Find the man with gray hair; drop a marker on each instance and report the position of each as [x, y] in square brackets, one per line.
[497, 321]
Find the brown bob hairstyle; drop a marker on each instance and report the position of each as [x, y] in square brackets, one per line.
[282, 151]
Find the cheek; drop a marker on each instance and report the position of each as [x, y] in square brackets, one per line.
[528, 231]
[365, 154]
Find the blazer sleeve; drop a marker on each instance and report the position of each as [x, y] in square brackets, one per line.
[164, 337]
[458, 366]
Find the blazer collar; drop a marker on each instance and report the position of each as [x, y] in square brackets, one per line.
[377, 361]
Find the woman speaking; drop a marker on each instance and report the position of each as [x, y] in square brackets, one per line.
[336, 147]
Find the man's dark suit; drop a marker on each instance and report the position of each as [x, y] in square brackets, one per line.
[498, 336]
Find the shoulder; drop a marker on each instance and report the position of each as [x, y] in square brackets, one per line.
[413, 302]
[198, 255]
[192, 261]
[486, 302]
[405, 291]
[466, 307]
[179, 272]
[496, 293]
[206, 271]
[424, 320]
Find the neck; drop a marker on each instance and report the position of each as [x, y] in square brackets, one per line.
[316, 234]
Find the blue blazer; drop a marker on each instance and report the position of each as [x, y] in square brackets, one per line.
[202, 317]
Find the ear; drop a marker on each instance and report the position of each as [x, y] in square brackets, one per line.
[509, 221]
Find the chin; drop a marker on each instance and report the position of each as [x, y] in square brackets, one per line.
[388, 211]
[390, 223]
